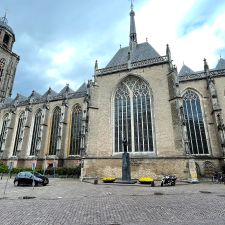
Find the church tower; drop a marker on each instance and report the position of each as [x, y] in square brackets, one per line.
[8, 59]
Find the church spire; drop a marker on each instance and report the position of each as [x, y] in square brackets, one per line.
[133, 35]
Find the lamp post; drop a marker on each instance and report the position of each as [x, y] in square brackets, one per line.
[1, 156]
[54, 163]
[45, 164]
[34, 164]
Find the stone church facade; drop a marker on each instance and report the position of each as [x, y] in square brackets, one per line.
[171, 120]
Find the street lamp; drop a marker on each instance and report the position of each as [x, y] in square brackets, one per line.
[34, 164]
[45, 164]
[54, 163]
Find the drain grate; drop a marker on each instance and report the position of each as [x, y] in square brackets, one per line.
[27, 197]
[206, 192]
[158, 193]
[2, 198]
[221, 195]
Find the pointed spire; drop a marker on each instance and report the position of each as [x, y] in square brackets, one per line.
[133, 35]
[206, 67]
[96, 68]
[168, 53]
[96, 65]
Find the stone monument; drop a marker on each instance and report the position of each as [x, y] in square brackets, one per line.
[125, 163]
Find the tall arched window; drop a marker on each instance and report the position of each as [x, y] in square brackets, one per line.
[2, 64]
[55, 131]
[132, 115]
[36, 133]
[19, 133]
[76, 131]
[3, 131]
[194, 122]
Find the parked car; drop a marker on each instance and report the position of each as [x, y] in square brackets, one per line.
[28, 178]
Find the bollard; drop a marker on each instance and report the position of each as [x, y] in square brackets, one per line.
[96, 180]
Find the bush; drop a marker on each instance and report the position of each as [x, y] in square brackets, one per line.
[75, 171]
[3, 168]
[63, 171]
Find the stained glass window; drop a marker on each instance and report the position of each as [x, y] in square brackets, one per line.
[133, 116]
[54, 131]
[195, 124]
[36, 133]
[76, 131]
[19, 133]
[3, 130]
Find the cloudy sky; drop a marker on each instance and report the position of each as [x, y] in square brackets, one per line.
[59, 41]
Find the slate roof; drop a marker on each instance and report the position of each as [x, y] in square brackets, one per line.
[50, 93]
[141, 52]
[185, 70]
[18, 99]
[67, 90]
[34, 95]
[82, 88]
[220, 65]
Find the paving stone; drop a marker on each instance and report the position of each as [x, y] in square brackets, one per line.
[71, 202]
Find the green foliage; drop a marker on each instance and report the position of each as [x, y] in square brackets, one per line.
[60, 171]
[3, 168]
[63, 171]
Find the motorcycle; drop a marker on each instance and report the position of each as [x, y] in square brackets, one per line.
[168, 180]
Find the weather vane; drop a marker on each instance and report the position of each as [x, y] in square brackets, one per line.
[131, 4]
[4, 19]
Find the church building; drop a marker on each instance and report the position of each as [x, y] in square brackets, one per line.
[173, 122]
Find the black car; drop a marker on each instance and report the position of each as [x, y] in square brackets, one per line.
[28, 178]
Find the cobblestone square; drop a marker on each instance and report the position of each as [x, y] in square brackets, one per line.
[69, 201]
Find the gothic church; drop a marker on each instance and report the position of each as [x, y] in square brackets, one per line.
[173, 122]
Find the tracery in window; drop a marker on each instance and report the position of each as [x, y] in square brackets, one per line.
[4, 131]
[19, 133]
[133, 116]
[36, 133]
[54, 131]
[76, 131]
[195, 124]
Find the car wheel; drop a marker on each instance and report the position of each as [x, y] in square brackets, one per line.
[153, 184]
[16, 183]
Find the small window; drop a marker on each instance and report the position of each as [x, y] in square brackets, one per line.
[6, 39]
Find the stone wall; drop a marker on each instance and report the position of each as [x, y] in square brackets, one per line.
[153, 167]
[100, 140]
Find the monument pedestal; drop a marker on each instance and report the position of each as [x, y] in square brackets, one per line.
[193, 172]
[126, 167]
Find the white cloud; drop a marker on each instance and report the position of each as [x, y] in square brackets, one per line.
[62, 60]
[59, 84]
[162, 24]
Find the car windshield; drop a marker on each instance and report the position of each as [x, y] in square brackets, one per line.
[37, 174]
[28, 174]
